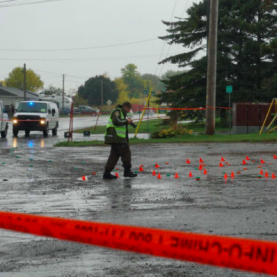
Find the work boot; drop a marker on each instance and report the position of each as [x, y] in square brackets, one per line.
[129, 173]
[107, 175]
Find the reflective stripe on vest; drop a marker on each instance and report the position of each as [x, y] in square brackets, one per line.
[120, 130]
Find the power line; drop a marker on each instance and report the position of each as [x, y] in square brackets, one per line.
[81, 59]
[164, 41]
[77, 49]
[28, 3]
[171, 44]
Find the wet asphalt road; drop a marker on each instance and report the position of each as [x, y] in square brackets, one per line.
[36, 139]
[243, 207]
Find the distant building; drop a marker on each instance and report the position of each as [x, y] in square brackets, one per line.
[13, 96]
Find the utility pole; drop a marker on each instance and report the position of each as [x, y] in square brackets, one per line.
[24, 71]
[212, 67]
[102, 93]
[63, 94]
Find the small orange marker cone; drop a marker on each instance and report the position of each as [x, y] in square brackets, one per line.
[232, 175]
[166, 163]
[205, 171]
[259, 166]
[261, 172]
[247, 158]
[84, 178]
[226, 176]
[176, 176]
[141, 169]
[222, 159]
[201, 161]
[273, 176]
[159, 176]
[116, 175]
[266, 175]
[200, 167]
[93, 173]
[188, 161]
[221, 165]
[274, 157]
[157, 166]
[190, 174]
[154, 173]
[262, 161]
[244, 162]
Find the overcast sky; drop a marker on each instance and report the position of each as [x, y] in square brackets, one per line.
[70, 24]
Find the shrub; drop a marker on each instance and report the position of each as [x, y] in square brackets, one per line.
[172, 132]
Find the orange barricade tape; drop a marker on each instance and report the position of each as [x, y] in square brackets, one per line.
[186, 109]
[243, 254]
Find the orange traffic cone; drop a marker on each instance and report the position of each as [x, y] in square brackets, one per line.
[226, 176]
[116, 175]
[266, 175]
[273, 176]
[84, 178]
[188, 161]
[190, 174]
[261, 172]
[205, 171]
[157, 166]
[244, 162]
[154, 173]
[176, 176]
[200, 167]
[274, 157]
[262, 161]
[221, 165]
[247, 158]
[232, 175]
[201, 161]
[159, 176]
[222, 159]
[141, 169]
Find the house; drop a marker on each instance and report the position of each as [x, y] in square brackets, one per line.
[13, 96]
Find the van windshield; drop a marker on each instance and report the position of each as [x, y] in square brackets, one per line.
[32, 107]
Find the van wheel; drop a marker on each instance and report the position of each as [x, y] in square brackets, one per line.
[46, 131]
[54, 131]
[27, 133]
[4, 133]
[15, 132]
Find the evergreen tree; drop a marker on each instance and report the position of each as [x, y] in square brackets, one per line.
[247, 52]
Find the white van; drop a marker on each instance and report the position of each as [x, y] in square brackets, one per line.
[4, 121]
[36, 116]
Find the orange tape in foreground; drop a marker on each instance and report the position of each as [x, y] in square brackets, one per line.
[244, 254]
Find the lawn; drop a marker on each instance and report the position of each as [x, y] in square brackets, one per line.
[187, 139]
[152, 125]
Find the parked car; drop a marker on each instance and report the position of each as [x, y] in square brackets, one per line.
[36, 116]
[88, 110]
[4, 123]
[65, 111]
[76, 110]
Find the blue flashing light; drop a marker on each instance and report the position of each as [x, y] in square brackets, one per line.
[31, 103]
[31, 144]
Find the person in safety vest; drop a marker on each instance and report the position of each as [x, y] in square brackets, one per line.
[117, 136]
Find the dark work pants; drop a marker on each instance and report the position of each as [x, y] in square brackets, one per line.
[119, 150]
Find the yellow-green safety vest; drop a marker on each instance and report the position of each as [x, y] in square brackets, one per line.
[120, 130]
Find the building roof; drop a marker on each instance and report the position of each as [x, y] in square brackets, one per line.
[14, 92]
